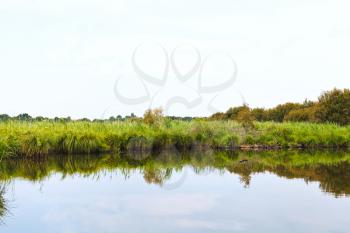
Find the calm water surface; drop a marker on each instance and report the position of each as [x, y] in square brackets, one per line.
[170, 192]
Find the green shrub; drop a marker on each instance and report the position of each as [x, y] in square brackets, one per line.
[334, 107]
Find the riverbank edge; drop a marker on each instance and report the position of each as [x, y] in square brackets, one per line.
[196, 147]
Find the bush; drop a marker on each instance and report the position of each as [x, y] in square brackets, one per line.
[246, 118]
[307, 114]
[334, 106]
[232, 113]
[278, 113]
[259, 114]
[153, 116]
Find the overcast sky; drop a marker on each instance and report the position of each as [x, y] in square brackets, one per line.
[63, 58]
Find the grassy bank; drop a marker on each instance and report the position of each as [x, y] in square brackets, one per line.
[18, 138]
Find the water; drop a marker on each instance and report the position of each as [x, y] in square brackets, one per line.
[172, 192]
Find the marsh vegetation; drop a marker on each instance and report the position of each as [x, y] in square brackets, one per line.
[320, 124]
[19, 138]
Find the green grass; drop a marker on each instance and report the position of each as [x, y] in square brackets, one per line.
[29, 139]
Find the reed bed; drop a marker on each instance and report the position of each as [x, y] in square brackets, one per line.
[19, 138]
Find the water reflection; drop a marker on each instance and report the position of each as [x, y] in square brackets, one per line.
[3, 206]
[330, 168]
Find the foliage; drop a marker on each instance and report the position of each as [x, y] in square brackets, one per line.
[246, 118]
[303, 127]
[218, 116]
[278, 113]
[335, 107]
[331, 107]
[232, 113]
[153, 116]
[305, 114]
[259, 114]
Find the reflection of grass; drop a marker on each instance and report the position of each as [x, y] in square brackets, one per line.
[3, 208]
[42, 138]
[331, 169]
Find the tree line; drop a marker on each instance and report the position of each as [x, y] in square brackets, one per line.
[331, 107]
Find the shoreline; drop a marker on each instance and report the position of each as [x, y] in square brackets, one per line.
[195, 148]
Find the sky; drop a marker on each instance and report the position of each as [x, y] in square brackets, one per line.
[98, 59]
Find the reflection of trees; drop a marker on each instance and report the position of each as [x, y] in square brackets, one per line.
[330, 169]
[157, 176]
[333, 178]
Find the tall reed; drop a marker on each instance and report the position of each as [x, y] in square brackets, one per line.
[29, 139]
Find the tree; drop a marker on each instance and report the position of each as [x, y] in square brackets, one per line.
[218, 116]
[24, 117]
[246, 118]
[259, 114]
[334, 106]
[305, 114]
[119, 118]
[298, 115]
[4, 117]
[232, 113]
[153, 116]
[39, 118]
[280, 111]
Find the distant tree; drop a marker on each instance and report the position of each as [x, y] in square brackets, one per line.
[305, 114]
[39, 118]
[119, 118]
[187, 118]
[280, 111]
[62, 119]
[218, 116]
[307, 103]
[24, 117]
[232, 113]
[246, 118]
[334, 106]
[98, 120]
[153, 116]
[4, 117]
[298, 115]
[259, 114]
